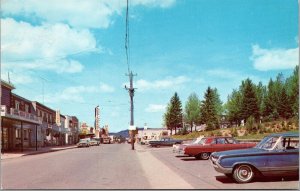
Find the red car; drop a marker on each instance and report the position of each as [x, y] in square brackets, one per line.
[215, 144]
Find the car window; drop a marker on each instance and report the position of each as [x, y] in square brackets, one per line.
[221, 141]
[202, 141]
[267, 143]
[211, 141]
[230, 141]
[289, 143]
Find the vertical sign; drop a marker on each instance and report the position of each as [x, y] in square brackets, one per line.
[97, 118]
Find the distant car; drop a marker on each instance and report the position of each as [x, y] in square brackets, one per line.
[83, 143]
[94, 142]
[177, 148]
[214, 144]
[276, 154]
[164, 142]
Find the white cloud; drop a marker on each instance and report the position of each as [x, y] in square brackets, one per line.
[77, 13]
[152, 108]
[274, 59]
[106, 88]
[76, 93]
[21, 41]
[46, 47]
[168, 82]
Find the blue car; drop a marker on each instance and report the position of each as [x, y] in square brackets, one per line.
[276, 154]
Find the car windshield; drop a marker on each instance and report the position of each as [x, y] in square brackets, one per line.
[202, 141]
[267, 143]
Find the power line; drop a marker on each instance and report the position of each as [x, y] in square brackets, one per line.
[130, 89]
[127, 38]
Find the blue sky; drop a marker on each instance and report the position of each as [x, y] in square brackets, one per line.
[75, 50]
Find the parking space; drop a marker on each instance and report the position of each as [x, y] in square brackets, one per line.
[201, 175]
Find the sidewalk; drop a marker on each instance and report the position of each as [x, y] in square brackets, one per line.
[32, 151]
[158, 174]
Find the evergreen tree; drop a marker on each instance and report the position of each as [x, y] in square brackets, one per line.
[270, 109]
[167, 118]
[260, 94]
[218, 103]
[284, 105]
[292, 87]
[209, 114]
[192, 110]
[249, 105]
[233, 107]
[174, 114]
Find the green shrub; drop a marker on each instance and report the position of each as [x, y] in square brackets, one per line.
[218, 133]
[234, 132]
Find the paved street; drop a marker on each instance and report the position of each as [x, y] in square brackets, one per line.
[116, 166]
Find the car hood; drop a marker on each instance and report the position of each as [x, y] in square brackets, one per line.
[239, 152]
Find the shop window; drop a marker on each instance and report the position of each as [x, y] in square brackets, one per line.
[18, 133]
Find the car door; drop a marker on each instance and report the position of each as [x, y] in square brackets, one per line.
[284, 158]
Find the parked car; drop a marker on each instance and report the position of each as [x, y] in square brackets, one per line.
[94, 142]
[214, 144]
[277, 154]
[167, 141]
[83, 143]
[178, 148]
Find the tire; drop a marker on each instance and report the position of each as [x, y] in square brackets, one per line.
[243, 173]
[204, 156]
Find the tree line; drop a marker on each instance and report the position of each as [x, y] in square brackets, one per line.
[279, 99]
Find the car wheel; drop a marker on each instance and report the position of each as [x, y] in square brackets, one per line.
[243, 173]
[205, 156]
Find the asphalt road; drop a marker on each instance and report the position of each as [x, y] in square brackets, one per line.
[105, 166]
[116, 166]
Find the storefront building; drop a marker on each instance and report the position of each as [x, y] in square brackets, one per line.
[19, 122]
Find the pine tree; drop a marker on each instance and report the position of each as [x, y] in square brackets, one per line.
[292, 87]
[192, 110]
[260, 94]
[175, 112]
[249, 101]
[167, 118]
[209, 115]
[233, 107]
[284, 105]
[218, 103]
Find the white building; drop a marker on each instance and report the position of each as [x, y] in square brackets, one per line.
[147, 134]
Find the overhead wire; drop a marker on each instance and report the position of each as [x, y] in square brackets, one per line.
[127, 38]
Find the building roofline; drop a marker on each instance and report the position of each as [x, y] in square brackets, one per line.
[21, 97]
[8, 85]
[40, 104]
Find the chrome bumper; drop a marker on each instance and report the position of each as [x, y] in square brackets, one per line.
[219, 168]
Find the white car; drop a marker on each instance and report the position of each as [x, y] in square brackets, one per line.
[178, 147]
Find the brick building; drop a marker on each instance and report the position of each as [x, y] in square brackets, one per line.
[19, 122]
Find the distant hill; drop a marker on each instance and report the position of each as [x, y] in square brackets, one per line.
[124, 133]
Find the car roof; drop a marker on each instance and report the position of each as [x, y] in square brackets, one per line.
[288, 134]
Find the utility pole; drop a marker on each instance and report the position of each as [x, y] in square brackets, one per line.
[131, 94]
